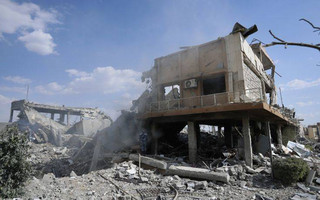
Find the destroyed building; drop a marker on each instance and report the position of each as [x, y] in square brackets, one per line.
[226, 83]
[314, 131]
[33, 119]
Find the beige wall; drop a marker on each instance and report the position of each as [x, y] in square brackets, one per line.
[222, 56]
[312, 132]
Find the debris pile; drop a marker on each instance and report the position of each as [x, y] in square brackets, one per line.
[126, 180]
[43, 129]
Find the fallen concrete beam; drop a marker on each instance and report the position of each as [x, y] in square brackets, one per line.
[149, 161]
[198, 173]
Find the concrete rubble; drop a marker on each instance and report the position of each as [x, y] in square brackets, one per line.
[125, 180]
[157, 177]
[43, 129]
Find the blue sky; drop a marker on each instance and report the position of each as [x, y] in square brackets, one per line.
[92, 53]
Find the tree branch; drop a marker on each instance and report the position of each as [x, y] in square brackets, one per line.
[314, 27]
[282, 42]
[275, 37]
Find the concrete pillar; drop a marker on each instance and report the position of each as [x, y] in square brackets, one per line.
[219, 132]
[247, 140]
[192, 141]
[61, 119]
[11, 115]
[52, 116]
[213, 130]
[279, 135]
[268, 134]
[154, 138]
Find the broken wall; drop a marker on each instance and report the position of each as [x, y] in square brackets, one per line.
[89, 127]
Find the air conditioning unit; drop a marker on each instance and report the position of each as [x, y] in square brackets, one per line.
[191, 83]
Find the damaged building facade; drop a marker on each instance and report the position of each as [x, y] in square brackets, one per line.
[313, 131]
[33, 118]
[225, 83]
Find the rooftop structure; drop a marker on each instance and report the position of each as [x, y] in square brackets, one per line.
[53, 109]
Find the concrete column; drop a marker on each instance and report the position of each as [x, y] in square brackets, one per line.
[268, 134]
[279, 135]
[213, 130]
[11, 115]
[192, 141]
[154, 138]
[247, 140]
[61, 119]
[52, 116]
[219, 132]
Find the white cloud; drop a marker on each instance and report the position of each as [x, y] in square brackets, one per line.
[52, 89]
[301, 84]
[106, 80]
[30, 21]
[308, 103]
[74, 72]
[17, 79]
[102, 80]
[22, 90]
[39, 42]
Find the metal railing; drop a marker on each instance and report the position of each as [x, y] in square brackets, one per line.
[247, 96]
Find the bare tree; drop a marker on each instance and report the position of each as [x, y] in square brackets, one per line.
[301, 44]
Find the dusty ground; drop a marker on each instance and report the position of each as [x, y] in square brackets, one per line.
[122, 181]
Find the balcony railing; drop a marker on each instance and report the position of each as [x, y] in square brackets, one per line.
[247, 96]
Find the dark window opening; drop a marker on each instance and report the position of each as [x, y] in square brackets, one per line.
[214, 85]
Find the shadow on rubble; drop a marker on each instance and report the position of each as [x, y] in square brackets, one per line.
[61, 166]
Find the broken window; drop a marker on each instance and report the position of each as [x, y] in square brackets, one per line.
[214, 85]
[172, 92]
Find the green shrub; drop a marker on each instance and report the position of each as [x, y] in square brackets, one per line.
[290, 170]
[14, 168]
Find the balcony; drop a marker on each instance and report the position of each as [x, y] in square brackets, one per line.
[247, 96]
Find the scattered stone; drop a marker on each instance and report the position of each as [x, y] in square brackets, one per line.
[249, 170]
[304, 196]
[179, 186]
[176, 177]
[314, 188]
[259, 197]
[310, 176]
[48, 178]
[201, 185]
[302, 187]
[144, 179]
[242, 183]
[73, 174]
[131, 171]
